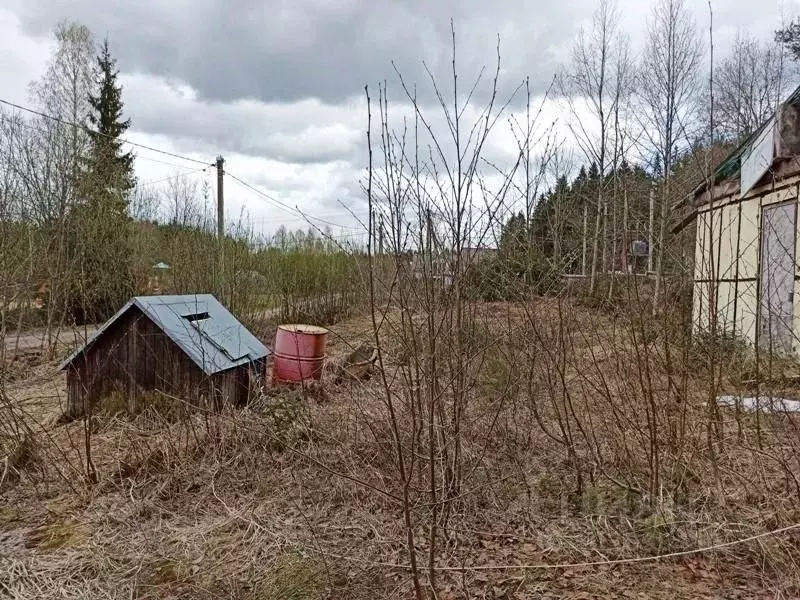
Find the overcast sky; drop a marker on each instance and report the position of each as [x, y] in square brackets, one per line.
[276, 86]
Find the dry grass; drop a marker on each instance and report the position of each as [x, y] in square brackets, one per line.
[296, 496]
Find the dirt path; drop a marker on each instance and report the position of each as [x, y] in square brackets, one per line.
[33, 341]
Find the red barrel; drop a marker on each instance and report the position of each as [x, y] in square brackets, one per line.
[299, 353]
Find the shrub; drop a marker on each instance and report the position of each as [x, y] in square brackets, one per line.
[510, 277]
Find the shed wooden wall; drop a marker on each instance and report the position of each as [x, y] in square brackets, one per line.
[133, 357]
[727, 257]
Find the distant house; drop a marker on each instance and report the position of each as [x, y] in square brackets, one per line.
[188, 347]
[41, 295]
[444, 263]
[479, 253]
[158, 280]
[634, 258]
[746, 261]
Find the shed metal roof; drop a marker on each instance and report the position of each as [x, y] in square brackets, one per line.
[731, 166]
[200, 325]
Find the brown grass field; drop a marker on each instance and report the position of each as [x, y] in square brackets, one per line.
[589, 438]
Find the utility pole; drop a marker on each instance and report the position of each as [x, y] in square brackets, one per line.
[626, 241]
[650, 232]
[373, 233]
[220, 198]
[221, 216]
[380, 235]
[585, 234]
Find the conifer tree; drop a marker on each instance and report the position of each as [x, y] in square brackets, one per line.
[110, 175]
[101, 219]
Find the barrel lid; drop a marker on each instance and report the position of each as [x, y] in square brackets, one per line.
[300, 328]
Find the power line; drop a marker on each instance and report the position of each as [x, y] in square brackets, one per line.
[190, 171]
[285, 206]
[91, 131]
[162, 162]
[175, 176]
[297, 219]
[274, 201]
[267, 197]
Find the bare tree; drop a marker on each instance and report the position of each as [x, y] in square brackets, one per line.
[14, 260]
[46, 155]
[62, 92]
[559, 169]
[143, 204]
[433, 195]
[623, 80]
[180, 201]
[11, 128]
[667, 85]
[591, 86]
[748, 85]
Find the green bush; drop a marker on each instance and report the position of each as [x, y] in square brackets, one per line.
[508, 277]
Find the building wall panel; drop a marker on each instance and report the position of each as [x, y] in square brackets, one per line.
[747, 310]
[726, 267]
[729, 229]
[725, 251]
[701, 288]
[749, 239]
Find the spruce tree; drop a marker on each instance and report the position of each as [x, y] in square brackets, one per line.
[110, 170]
[101, 220]
[789, 36]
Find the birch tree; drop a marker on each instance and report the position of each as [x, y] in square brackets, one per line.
[48, 159]
[590, 87]
[180, 202]
[622, 92]
[667, 86]
[59, 146]
[748, 85]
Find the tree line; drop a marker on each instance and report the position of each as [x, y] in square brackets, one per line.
[75, 220]
[653, 125]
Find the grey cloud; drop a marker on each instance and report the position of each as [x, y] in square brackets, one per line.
[325, 187]
[285, 51]
[282, 84]
[282, 53]
[288, 51]
[306, 131]
[302, 132]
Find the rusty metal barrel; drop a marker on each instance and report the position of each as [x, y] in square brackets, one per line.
[299, 353]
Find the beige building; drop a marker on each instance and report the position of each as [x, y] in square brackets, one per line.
[746, 252]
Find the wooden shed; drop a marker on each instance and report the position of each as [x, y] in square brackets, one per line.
[746, 254]
[189, 347]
